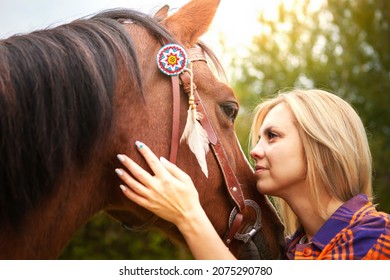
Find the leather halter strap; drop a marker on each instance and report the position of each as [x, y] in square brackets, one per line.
[233, 186]
[175, 118]
[231, 181]
[195, 54]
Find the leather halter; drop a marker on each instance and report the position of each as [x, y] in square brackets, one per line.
[232, 184]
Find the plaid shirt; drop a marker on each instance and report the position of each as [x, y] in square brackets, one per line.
[355, 231]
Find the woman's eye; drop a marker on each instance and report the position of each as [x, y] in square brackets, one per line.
[230, 110]
[271, 135]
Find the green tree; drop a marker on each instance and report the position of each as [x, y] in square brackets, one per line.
[342, 46]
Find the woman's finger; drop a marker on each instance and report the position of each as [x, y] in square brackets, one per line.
[187, 186]
[171, 195]
[133, 196]
[137, 171]
[133, 184]
[152, 160]
[174, 170]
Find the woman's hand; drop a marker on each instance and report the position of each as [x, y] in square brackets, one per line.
[170, 193]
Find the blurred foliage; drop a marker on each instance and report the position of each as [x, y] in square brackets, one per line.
[343, 47]
[102, 238]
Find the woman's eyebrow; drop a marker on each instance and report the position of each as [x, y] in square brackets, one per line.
[265, 130]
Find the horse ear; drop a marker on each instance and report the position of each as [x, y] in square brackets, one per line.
[161, 14]
[192, 20]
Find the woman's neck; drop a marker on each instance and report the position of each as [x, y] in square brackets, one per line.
[308, 214]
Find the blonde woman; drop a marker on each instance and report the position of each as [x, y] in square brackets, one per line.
[311, 153]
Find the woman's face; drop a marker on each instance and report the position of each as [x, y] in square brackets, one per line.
[280, 166]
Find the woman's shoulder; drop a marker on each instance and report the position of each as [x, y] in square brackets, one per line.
[372, 224]
[372, 236]
[362, 231]
[367, 222]
[369, 234]
[369, 218]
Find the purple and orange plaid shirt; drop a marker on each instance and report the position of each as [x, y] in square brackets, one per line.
[355, 231]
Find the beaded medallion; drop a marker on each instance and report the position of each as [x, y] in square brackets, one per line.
[172, 59]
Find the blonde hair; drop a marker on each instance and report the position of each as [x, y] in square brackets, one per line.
[335, 145]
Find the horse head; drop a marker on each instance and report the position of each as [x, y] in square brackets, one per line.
[219, 107]
[74, 96]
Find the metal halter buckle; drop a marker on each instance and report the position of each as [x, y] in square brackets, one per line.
[245, 237]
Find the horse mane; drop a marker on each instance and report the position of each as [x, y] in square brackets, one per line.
[56, 101]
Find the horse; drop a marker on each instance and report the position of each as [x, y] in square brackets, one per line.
[74, 96]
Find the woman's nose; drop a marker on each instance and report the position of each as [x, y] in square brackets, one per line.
[257, 151]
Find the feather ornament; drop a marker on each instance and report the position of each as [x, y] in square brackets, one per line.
[196, 137]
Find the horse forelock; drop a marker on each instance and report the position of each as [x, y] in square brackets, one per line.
[56, 102]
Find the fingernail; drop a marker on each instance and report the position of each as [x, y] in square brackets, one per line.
[119, 172]
[139, 144]
[123, 188]
[163, 160]
[121, 158]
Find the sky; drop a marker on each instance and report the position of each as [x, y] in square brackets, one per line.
[235, 23]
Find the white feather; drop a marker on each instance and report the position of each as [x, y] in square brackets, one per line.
[196, 137]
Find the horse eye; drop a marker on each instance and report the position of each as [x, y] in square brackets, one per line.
[230, 110]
